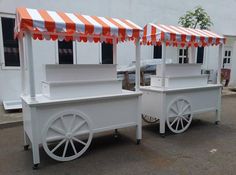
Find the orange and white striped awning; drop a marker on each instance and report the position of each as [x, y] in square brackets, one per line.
[179, 36]
[43, 24]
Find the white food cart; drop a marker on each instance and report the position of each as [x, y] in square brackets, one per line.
[76, 100]
[178, 91]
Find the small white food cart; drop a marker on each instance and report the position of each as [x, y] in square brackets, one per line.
[178, 91]
[76, 100]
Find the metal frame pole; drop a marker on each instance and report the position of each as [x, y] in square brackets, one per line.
[163, 64]
[137, 56]
[29, 55]
[114, 47]
[219, 63]
[22, 65]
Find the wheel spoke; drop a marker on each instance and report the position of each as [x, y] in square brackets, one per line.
[182, 105]
[185, 109]
[81, 133]
[182, 124]
[171, 116]
[72, 122]
[77, 140]
[185, 119]
[78, 126]
[174, 121]
[174, 110]
[73, 146]
[177, 106]
[177, 125]
[55, 138]
[65, 148]
[63, 123]
[58, 130]
[58, 145]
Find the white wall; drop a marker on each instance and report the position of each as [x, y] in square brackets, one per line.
[139, 11]
[233, 69]
[88, 53]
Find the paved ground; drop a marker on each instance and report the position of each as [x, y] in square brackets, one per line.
[205, 149]
[10, 116]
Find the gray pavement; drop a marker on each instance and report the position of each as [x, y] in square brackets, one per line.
[205, 149]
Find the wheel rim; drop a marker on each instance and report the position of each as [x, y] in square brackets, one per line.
[179, 115]
[67, 136]
[149, 119]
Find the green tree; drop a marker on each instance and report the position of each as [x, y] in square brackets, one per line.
[198, 18]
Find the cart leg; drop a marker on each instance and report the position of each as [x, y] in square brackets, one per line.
[138, 134]
[162, 123]
[218, 110]
[26, 141]
[36, 158]
[116, 133]
[218, 116]
[163, 115]
[162, 127]
[139, 124]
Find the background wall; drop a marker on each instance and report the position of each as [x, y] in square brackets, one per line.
[139, 11]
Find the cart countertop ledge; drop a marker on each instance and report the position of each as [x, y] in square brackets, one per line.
[159, 89]
[40, 100]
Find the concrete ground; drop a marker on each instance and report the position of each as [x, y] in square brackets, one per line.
[204, 149]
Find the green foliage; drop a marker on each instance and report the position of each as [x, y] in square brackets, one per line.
[198, 18]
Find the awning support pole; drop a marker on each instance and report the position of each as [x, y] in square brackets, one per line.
[220, 63]
[163, 64]
[137, 56]
[22, 65]
[114, 51]
[30, 59]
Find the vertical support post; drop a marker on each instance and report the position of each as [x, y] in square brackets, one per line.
[75, 52]
[137, 56]
[219, 63]
[29, 54]
[35, 137]
[218, 110]
[163, 114]
[139, 122]
[22, 65]
[163, 64]
[114, 51]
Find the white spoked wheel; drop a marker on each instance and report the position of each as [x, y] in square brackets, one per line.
[149, 119]
[67, 135]
[179, 115]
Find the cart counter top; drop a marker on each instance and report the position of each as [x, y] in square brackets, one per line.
[161, 89]
[40, 100]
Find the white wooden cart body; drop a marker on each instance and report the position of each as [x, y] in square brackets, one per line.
[156, 101]
[178, 91]
[77, 100]
[106, 112]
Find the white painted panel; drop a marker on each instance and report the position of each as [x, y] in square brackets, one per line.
[151, 103]
[60, 90]
[86, 72]
[180, 82]
[174, 70]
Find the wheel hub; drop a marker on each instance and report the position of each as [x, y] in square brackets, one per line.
[69, 136]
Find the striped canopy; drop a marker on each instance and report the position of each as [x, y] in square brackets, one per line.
[53, 25]
[179, 36]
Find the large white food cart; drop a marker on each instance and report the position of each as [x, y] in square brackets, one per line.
[178, 91]
[76, 100]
